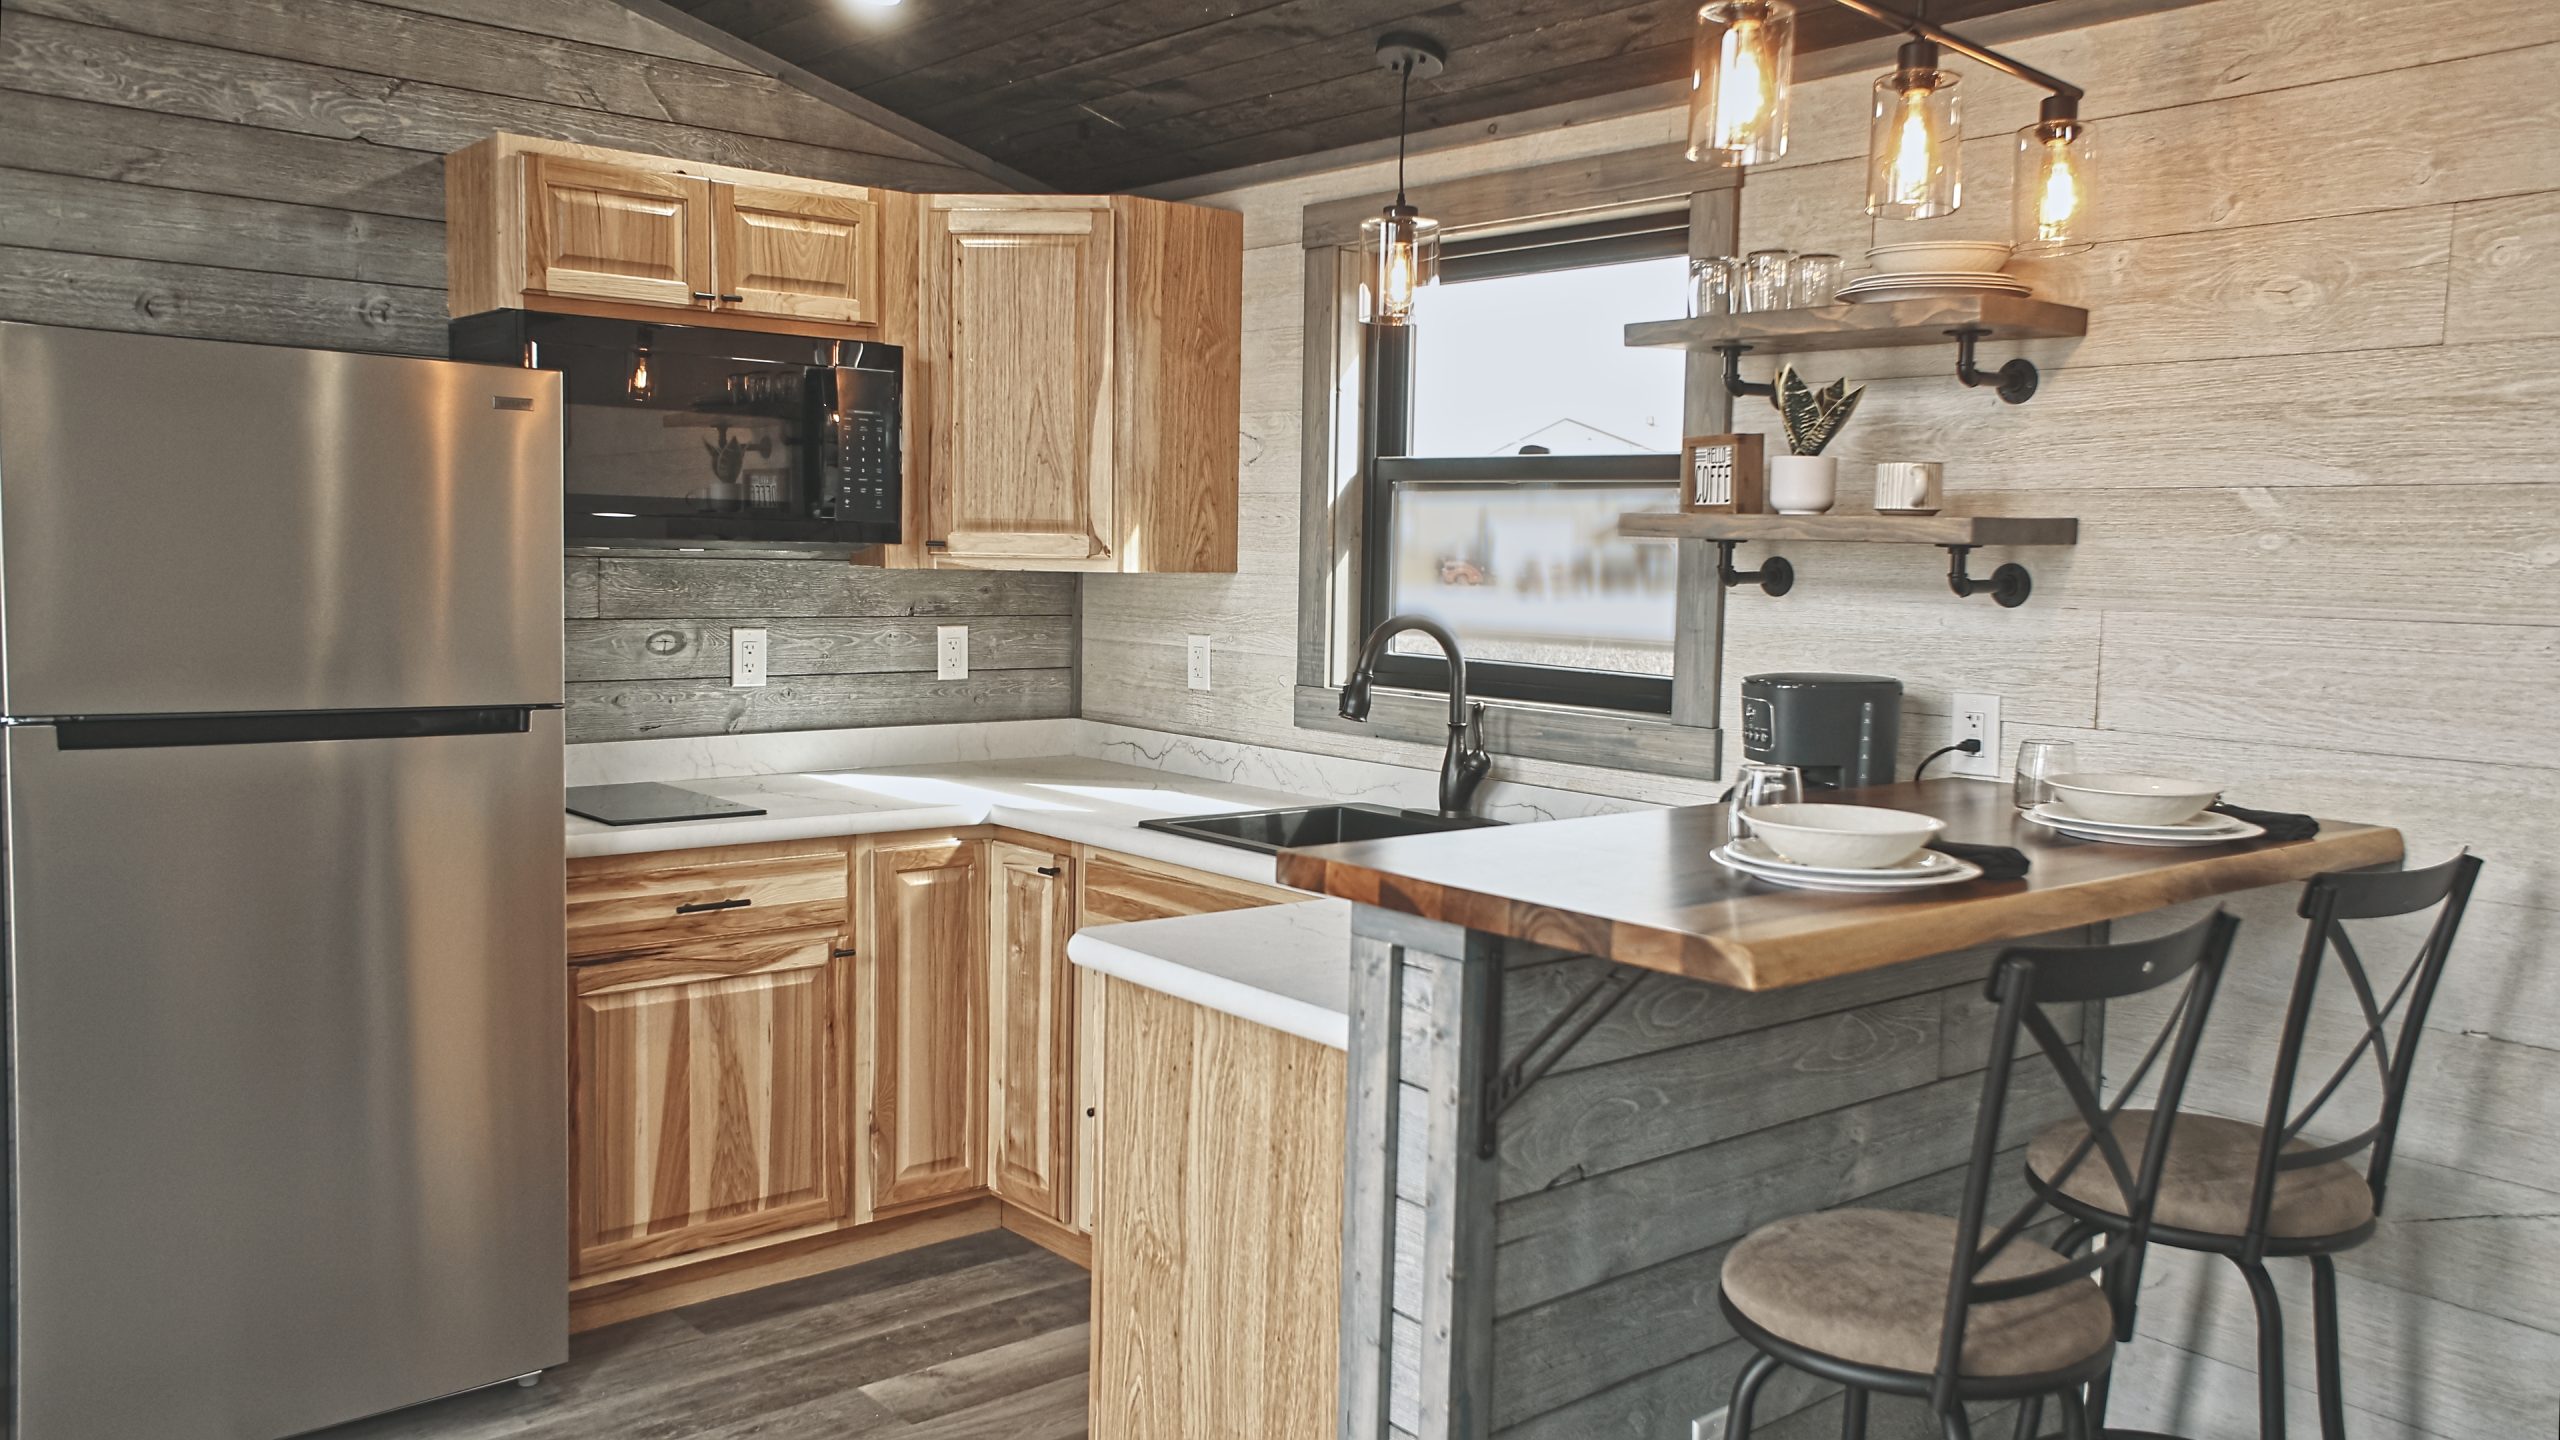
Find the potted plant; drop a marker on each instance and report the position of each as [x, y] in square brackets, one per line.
[1806, 481]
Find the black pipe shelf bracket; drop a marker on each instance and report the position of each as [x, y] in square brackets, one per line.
[2009, 586]
[1734, 384]
[2016, 381]
[1774, 577]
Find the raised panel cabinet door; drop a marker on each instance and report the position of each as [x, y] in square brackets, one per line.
[705, 1102]
[796, 253]
[926, 986]
[1018, 306]
[602, 232]
[1031, 1029]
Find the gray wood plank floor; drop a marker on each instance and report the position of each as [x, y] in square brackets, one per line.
[980, 1338]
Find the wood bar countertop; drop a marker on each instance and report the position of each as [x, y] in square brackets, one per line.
[1640, 889]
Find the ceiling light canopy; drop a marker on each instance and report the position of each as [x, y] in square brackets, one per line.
[1741, 63]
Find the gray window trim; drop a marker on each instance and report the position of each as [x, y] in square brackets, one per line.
[1688, 742]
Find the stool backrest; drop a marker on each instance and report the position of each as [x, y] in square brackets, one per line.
[2023, 982]
[2390, 1031]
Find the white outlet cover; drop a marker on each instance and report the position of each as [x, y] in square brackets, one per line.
[1199, 666]
[750, 656]
[950, 652]
[1985, 766]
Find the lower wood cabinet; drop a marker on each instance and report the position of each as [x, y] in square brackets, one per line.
[1031, 1028]
[706, 1099]
[922, 992]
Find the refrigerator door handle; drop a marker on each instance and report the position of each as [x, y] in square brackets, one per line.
[285, 727]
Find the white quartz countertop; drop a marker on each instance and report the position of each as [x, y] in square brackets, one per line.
[1096, 802]
[1285, 966]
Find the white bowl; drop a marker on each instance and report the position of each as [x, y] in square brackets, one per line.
[1842, 837]
[1970, 257]
[2133, 799]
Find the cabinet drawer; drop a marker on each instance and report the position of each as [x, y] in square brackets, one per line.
[628, 903]
[1119, 887]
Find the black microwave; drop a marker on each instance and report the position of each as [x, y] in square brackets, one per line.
[692, 438]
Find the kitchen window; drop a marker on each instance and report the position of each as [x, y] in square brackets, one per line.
[1510, 427]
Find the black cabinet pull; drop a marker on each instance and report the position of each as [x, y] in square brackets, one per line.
[844, 954]
[707, 906]
[704, 295]
[1049, 870]
[734, 299]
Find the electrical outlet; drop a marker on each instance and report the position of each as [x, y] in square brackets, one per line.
[1199, 662]
[748, 653]
[1977, 717]
[950, 652]
[1707, 1427]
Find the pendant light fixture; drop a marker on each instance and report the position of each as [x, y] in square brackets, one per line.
[1403, 246]
[640, 385]
[1915, 139]
[1740, 64]
[1738, 84]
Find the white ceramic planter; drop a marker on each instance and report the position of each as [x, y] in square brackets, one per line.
[1803, 484]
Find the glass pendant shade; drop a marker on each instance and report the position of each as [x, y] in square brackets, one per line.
[1915, 142]
[1403, 259]
[1740, 67]
[2052, 189]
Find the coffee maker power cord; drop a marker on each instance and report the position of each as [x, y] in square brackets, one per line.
[1921, 770]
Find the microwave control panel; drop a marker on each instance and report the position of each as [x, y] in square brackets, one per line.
[861, 457]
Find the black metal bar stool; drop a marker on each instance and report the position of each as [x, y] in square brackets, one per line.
[2254, 1192]
[1948, 1308]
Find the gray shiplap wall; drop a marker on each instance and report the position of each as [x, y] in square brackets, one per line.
[272, 171]
[2311, 439]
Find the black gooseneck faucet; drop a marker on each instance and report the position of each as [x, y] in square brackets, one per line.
[1464, 765]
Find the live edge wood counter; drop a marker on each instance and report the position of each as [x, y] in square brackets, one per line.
[1585, 1060]
[1640, 889]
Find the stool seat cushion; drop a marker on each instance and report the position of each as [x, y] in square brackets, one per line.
[2212, 1171]
[1870, 1287]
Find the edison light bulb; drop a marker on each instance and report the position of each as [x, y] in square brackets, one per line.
[2052, 193]
[1738, 79]
[1403, 260]
[1915, 140]
[1398, 284]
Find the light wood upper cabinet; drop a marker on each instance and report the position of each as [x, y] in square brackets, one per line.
[796, 254]
[921, 1075]
[1031, 1028]
[551, 225]
[706, 1105]
[612, 232]
[1078, 366]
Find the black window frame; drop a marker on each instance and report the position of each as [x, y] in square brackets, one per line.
[1387, 432]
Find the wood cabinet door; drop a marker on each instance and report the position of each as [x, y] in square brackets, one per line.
[796, 253]
[602, 232]
[1031, 1028]
[1018, 314]
[923, 1073]
[705, 1100]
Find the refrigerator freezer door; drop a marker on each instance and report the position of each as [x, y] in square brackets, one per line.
[189, 525]
[290, 1098]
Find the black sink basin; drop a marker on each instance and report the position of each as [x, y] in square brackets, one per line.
[1272, 831]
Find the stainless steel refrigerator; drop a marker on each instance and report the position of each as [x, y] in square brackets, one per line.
[280, 677]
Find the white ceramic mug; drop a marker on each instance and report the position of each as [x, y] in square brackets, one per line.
[1910, 488]
[1803, 484]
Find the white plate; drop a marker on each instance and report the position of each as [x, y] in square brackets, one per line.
[2074, 829]
[2209, 823]
[1797, 879]
[1754, 850]
[1883, 294]
[1939, 277]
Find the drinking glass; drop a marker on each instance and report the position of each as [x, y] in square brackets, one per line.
[2038, 762]
[1711, 285]
[1812, 279]
[1764, 281]
[1757, 783]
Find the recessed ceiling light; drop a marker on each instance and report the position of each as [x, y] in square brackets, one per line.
[874, 4]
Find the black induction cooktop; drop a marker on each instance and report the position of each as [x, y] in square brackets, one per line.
[647, 804]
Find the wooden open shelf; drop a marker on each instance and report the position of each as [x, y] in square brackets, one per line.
[1866, 529]
[1866, 327]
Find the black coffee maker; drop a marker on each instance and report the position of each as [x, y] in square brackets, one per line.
[1839, 730]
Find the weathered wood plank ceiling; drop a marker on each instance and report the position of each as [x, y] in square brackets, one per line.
[1092, 95]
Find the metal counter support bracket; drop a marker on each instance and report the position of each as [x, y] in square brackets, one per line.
[2010, 585]
[2016, 380]
[1586, 1009]
[1734, 384]
[1774, 577]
